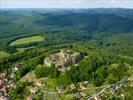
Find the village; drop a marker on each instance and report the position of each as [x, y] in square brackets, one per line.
[7, 82]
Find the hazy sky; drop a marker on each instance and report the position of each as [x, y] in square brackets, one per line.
[66, 3]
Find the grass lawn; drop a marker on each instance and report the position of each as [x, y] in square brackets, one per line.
[3, 54]
[26, 40]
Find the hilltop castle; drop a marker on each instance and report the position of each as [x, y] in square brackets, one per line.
[63, 59]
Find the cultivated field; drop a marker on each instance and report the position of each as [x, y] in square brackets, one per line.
[26, 40]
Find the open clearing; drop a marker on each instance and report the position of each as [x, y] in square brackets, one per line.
[26, 40]
[3, 54]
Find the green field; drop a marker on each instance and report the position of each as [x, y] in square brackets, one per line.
[26, 40]
[3, 54]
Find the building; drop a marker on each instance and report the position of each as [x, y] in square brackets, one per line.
[131, 83]
[86, 82]
[63, 59]
[40, 84]
[34, 90]
[97, 97]
[82, 85]
[60, 89]
[83, 94]
[72, 86]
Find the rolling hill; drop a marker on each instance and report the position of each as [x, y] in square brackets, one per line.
[90, 22]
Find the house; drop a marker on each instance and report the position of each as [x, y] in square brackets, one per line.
[16, 68]
[83, 94]
[86, 82]
[112, 91]
[60, 89]
[121, 85]
[12, 84]
[122, 95]
[40, 83]
[131, 83]
[18, 65]
[82, 85]
[34, 90]
[72, 86]
[117, 87]
[97, 97]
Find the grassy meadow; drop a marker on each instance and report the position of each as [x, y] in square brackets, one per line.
[26, 40]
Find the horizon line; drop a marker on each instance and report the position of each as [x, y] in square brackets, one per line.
[67, 8]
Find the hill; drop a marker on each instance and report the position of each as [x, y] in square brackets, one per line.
[21, 21]
[89, 22]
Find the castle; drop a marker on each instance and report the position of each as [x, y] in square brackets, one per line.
[63, 59]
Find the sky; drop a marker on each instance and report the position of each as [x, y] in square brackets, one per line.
[66, 3]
